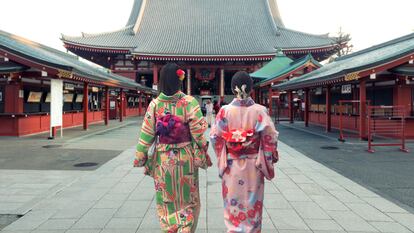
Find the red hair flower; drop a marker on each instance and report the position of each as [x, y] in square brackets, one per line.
[181, 74]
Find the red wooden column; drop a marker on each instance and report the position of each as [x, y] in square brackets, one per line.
[107, 105]
[140, 104]
[85, 105]
[188, 81]
[270, 100]
[121, 105]
[307, 104]
[155, 76]
[222, 85]
[362, 109]
[290, 106]
[328, 119]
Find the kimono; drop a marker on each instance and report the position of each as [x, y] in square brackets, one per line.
[245, 142]
[176, 124]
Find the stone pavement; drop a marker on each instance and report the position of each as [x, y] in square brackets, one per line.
[306, 197]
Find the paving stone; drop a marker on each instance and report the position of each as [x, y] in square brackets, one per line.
[404, 219]
[323, 225]
[294, 195]
[309, 210]
[329, 203]
[133, 209]
[94, 219]
[384, 205]
[287, 220]
[390, 227]
[346, 197]
[150, 221]
[276, 201]
[369, 213]
[123, 223]
[108, 204]
[351, 221]
[57, 224]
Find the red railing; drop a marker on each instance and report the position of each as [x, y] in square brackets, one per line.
[348, 108]
[386, 123]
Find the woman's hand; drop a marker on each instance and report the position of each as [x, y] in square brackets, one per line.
[140, 159]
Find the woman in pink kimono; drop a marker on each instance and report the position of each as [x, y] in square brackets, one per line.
[245, 141]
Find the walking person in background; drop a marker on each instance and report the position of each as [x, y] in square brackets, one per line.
[174, 127]
[216, 107]
[209, 112]
[245, 142]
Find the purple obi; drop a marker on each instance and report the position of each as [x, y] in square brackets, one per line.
[172, 130]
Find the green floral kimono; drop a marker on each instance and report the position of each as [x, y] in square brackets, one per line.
[174, 167]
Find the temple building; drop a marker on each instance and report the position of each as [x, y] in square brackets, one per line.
[371, 90]
[210, 39]
[90, 95]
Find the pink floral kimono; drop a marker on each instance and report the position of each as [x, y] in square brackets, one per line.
[245, 141]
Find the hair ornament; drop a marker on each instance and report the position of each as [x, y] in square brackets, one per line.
[241, 94]
[181, 74]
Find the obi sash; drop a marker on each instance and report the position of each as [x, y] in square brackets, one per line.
[171, 129]
[240, 143]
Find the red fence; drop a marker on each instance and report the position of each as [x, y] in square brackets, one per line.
[388, 124]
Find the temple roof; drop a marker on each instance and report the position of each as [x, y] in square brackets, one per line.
[365, 60]
[203, 28]
[272, 68]
[56, 59]
[281, 67]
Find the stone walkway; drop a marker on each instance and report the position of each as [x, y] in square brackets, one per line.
[306, 197]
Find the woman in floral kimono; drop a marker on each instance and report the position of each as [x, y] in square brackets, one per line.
[175, 124]
[245, 142]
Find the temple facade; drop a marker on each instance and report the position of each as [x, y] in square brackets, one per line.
[210, 39]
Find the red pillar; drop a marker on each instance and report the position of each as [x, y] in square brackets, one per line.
[121, 105]
[290, 106]
[362, 109]
[328, 119]
[155, 76]
[106, 105]
[270, 100]
[307, 104]
[140, 104]
[85, 105]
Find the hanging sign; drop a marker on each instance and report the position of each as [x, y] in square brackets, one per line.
[69, 86]
[56, 106]
[300, 92]
[95, 89]
[346, 89]
[318, 91]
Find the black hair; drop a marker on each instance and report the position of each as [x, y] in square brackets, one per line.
[239, 79]
[169, 83]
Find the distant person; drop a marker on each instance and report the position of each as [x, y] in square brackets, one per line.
[245, 142]
[216, 107]
[209, 112]
[172, 148]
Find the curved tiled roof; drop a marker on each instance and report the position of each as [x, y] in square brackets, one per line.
[356, 62]
[59, 60]
[203, 28]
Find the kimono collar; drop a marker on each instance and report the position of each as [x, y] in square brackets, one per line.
[171, 98]
[243, 102]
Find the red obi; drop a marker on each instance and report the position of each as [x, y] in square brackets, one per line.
[172, 130]
[237, 135]
[241, 143]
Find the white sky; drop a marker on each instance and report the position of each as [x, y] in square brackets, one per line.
[369, 21]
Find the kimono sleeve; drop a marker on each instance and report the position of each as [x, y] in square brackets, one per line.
[198, 126]
[268, 154]
[218, 142]
[146, 137]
